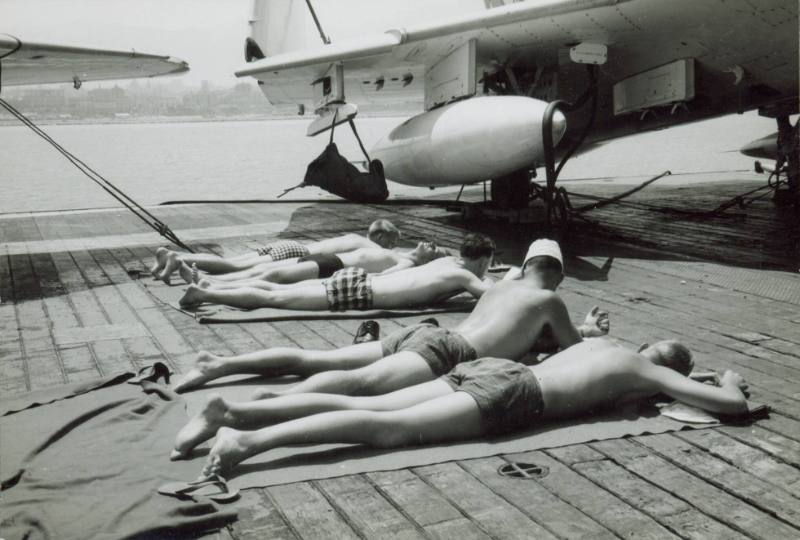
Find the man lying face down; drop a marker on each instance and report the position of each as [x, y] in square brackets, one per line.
[355, 288]
[312, 269]
[484, 397]
[507, 322]
[381, 234]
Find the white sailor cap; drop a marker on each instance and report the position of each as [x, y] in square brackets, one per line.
[544, 247]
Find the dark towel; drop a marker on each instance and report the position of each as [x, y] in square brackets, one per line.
[89, 467]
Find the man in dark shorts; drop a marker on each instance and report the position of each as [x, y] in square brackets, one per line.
[381, 233]
[373, 260]
[486, 397]
[507, 322]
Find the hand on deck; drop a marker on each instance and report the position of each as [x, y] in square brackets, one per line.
[596, 323]
[731, 379]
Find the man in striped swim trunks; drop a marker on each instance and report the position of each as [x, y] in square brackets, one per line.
[381, 233]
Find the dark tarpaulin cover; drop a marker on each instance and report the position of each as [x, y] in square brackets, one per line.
[90, 466]
[333, 173]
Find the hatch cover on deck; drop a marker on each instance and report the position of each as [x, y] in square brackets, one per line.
[523, 470]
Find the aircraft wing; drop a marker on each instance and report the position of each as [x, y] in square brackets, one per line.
[40, 63]
[400, 57]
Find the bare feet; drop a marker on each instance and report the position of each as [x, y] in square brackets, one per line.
[161, 260]
[202, 372]
[188, 273]
[173, 262]
[192, 298]
[229, 450]
[200, 428]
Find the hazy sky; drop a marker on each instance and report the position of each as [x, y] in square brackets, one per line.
[209, 34]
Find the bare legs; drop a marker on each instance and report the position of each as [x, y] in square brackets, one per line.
[279, 361]
[257, 414]
[450, 416]
[311, 298]
[388, 374]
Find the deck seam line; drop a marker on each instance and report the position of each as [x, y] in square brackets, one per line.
[711, 481]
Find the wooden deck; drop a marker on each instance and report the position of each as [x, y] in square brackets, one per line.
[73, 308]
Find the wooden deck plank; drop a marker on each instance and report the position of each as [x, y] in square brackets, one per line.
[696, 491]
[366, 509]
[424, 505]
[745, 485]
[597, 503]
[308, 513]
[498, 505]
[671, 512]
[732, 481]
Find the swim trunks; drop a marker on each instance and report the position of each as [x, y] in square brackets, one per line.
[508, 393]
[441, 348]
[350, 288]
[327, 264]
[283, 249]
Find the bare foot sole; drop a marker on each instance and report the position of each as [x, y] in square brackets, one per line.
[192, 298]
[173, 263]
[228, 451]
[161, 260]
[200, 428]
[198, 375]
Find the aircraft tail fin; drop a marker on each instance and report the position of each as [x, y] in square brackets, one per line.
[278, 26]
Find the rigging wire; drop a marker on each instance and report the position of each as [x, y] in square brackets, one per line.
[140, 212]
[325, 39]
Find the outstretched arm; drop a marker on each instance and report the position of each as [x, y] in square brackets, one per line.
[564, 333]
[727, 398]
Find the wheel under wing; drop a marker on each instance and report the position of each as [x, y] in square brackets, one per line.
[40, 63]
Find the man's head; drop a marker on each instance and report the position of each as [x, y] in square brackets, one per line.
[544, 260]
[477, 251]
[383, 233]
[669, 353]
[425, 252]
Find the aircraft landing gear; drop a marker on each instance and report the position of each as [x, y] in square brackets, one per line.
[788, 161]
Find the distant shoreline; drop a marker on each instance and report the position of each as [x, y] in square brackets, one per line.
[103, 120]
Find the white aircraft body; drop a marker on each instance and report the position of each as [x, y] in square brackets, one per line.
[23, 63]
[484, 72]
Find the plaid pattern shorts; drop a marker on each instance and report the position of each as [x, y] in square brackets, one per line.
[349, 288]
[283, 249]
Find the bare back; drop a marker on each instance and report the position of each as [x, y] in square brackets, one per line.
[373, 260]
[426, 284]
[507, 320]
[340, 244]
[590, 376]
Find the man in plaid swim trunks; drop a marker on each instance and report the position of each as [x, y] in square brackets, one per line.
[508, 321]
[381, 233]
[354, 288]
[308, 270]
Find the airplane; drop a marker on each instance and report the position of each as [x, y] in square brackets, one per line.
[497, 79]
[25, 63]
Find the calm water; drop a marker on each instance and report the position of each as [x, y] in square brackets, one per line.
[258, 159]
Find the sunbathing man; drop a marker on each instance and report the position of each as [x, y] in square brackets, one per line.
[354, 288]
[506, 322]
[485, 397]
[309, 269]
[381, 233]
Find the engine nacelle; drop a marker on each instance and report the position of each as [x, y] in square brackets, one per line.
[467, 141]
